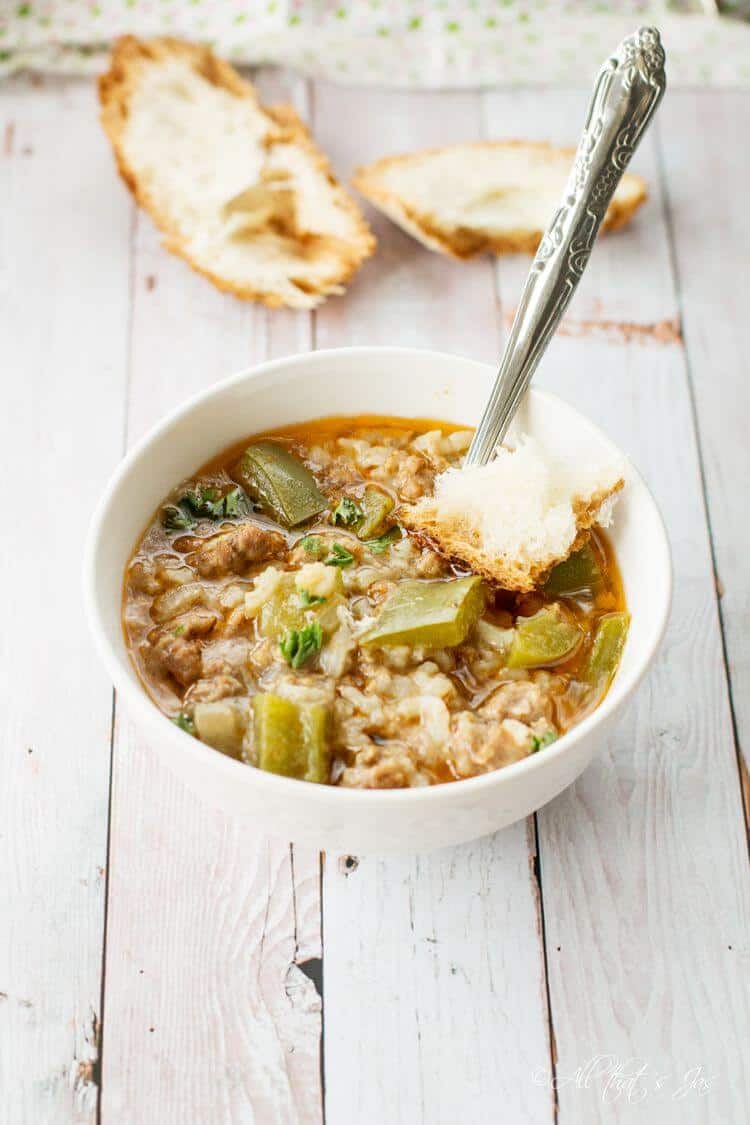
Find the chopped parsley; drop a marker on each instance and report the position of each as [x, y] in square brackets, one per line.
[236, 504]
[300, 645]
[205, 503]
[184, 722]
[538, 742]
[347, 513]
[175, 518]
[313, 545]
[339, 556]
[383, 542]
[308, 599]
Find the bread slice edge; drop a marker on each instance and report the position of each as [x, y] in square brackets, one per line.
[466, 242]
[116, 87]
[452, 541]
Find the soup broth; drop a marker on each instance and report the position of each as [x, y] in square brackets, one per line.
[275, 608]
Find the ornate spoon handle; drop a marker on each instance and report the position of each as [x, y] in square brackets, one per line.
[627, 91]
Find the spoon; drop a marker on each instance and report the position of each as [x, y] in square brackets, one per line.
[628, 89]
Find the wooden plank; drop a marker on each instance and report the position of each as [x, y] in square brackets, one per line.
[434, 986]
[405, 294]
[64, 284]
[435, 1005]
[644, 863]
[644, 866]
[711, 242]
[207, 1013]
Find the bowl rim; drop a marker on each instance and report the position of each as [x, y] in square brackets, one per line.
[140, 704]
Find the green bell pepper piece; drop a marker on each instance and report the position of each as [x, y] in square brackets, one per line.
[290, 611]
[284, 488]
[376, 507]
[184, 722]
[579, 572]
[435, 614]
[606, 650]
[292, 740]
[546, 638]
[316, 737]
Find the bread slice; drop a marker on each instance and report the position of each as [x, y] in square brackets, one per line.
[514, 519]
[240, 191]
[493, 195]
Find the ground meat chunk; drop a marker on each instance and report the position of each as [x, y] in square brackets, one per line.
[226, 657]
[478, 746]
[339, 474]
[409, 473]
[519, 699]
[431, 565]
[213, 689]
[177, 649]
[414, 478]
[142, 577]
[232, 552]
[180, 657]
[381, 768]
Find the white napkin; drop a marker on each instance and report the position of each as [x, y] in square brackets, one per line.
[432, 43]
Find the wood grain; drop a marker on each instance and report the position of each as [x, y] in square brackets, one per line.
[63, 318]
[208, 1014]
[435, 1003]
[710, 234]
[405, 294]
[435, 988]
[626, 293]
[644, 866]
[644, 863]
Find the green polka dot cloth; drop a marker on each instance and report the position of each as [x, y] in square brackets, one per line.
[476, 43]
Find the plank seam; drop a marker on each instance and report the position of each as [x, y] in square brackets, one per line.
[321, 872]
[97, 1070]
[99, 1065]
[536, 868]
[533, 836]
[309, 88]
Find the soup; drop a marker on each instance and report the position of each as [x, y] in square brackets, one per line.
[276, 609]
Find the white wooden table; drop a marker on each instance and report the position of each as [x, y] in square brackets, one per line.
[162, 963]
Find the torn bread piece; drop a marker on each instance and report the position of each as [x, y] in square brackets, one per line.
[514, 519]
[492, 195]
[240, 191]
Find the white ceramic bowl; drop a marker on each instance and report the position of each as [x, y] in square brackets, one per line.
[354, 381]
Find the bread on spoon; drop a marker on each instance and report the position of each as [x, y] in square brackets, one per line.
[492, 195]
[240, 190]
[515, 518]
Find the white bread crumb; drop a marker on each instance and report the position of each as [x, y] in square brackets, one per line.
[515, 518]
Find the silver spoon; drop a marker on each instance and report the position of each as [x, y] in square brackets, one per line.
[628, 89]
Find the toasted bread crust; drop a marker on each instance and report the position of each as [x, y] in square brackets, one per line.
[116, 87]
[466, 548]
[467, 242]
